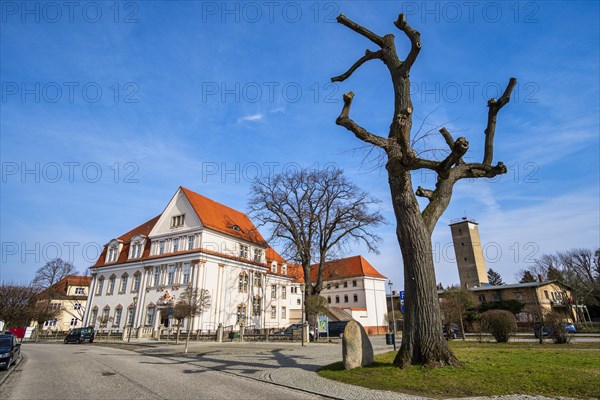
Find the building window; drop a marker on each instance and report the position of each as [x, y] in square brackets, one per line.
[283, 292]
[274, 267]
[337, 285]
[177, 220]
[256, 306]
[136, 249]
[124, 279]
[156, 276]
[186, 273]
[273, 312]
[77, 306]
[329, 299]
[273, 291]
[94, 316]
[345, 284]
[243, 283]
[355, 298]
[118, 313]
[100, 285]
[171, 274]
[284, 269]
[191, 242]
[55, 306]
[74, 321]
[51, 322]
[258, 253]
[481, 298]
[298, 302]
[130, 315]
[113, 252]
[176, 245]
[328, 286]
[345, 298]
[105, 316]
[150, 316]
[518, 296]
[283, 312]
[161, 247]
[111, 284]
[546, 295]
[257, 279]
[496, 297]
[136, 282]
[354, 284]
[337, 299]
[79, 290]
[243, 251]
[241, 313]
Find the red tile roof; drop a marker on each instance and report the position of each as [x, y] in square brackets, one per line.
[224, 219]
[61, 287]
[349, 267]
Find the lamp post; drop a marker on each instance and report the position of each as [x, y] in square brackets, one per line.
[135, 299]
[393, 314]
[303, 287]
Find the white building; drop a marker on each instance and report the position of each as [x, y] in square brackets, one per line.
[194, 241]
[200, 243]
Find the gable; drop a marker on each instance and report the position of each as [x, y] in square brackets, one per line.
[179, 205]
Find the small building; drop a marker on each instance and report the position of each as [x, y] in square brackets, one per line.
[69, 295]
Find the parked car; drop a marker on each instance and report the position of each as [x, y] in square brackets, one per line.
[290, 330]
[455, 331]
[336, 328]
[10, 350]
[80, 335]
[547, 331]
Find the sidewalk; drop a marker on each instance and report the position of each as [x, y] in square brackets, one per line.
[281, 363]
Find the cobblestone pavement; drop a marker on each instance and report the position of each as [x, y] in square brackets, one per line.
[283, 363]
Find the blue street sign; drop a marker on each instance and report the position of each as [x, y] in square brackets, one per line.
[170, 311]
[402, 308]
[402, 295]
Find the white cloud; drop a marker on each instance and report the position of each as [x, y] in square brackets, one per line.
[251, 118]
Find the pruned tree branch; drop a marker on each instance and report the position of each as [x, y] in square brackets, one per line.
[494, 107]
[369, 55]
[447, 137]
[459, 149]
[424, 193]
[360, 132]
[415, 41]
[378, 40]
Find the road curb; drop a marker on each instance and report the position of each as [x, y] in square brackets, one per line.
[12, 369]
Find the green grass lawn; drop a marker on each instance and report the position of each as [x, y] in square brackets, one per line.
[571, 370]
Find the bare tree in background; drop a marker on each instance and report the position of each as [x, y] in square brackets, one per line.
[314, 214]
[41, 310]
[52, 272]
[422, 340]
[15, 304]
[192, 302]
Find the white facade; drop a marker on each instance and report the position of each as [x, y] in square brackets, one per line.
[177, 250]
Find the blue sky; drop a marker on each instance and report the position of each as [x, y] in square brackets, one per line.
[107, 109]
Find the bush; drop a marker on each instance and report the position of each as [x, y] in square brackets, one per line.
[558, 332]
[500, 323]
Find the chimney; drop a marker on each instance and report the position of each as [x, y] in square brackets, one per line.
[540, 278]
[394, 293]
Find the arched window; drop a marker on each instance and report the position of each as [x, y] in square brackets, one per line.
[243, 283]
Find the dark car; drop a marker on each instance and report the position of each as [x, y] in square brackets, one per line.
[294, 327]
[80, 335]
[10, 350]
[336, 328]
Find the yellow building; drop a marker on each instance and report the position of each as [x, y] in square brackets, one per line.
[69, 295]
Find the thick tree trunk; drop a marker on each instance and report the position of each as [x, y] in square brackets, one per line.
[422, 339]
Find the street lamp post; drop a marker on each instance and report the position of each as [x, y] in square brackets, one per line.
[135, 299]
[303, 287]
[393, 314]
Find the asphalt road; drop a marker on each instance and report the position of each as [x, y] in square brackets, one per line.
[58, 371]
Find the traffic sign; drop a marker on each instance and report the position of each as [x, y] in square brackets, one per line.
[402, 295]
[170, 311]
[402, 308]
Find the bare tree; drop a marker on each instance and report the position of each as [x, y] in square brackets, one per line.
[42, 310]
[422, 340]
[192, 302]
[15, 304]
[315, 214]
[52, 272]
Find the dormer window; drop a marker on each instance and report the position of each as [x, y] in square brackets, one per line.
[136, 249]
[113, 252]
[274, 267]
[177, 221]
[284, 269]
